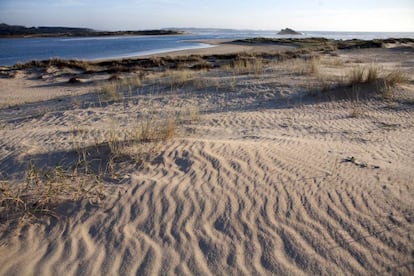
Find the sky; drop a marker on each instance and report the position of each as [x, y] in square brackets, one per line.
[301, 15]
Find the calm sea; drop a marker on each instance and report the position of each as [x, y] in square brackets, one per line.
[13, 50]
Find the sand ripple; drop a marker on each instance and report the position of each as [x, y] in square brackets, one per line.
[262, 192]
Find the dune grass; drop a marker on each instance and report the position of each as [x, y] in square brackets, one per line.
[306, 67]
[383, 82]
[117, 88]
[243, 64]
[362, 81]
[177, 78]
[44, 188]
[96, 159]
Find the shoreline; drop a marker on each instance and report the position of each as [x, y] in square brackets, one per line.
[209, 47]
[153, 53]
[15, 31]
[254, 45]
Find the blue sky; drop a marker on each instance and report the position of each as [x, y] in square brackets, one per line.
[323, 15]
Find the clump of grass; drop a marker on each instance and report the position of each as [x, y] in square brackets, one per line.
[138, 144]
[384, 82]
[245, 65]
[372, 74]
[111, 91]
[256, 66]
[390, 81]
[396, 77]
[115, 89]
[151, 129]
[43, 188]
[360, 75]
[177, 78]
[387, 90]
[308, 66]
[11, 202]
[357, 76]
[227, 67]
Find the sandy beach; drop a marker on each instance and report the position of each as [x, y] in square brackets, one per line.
[239, 159]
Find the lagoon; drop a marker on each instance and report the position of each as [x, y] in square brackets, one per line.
[13, 50]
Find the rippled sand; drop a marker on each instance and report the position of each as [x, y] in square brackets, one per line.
[259, 184]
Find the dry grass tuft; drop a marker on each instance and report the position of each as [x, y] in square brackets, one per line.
[396, 77]
[361, 82]
[374, 75]
[117, 87]
[111, 91]
[245, 65]
[309, 67]
[356, 76]
[179, 78]
[176, 78]
[44, 188]
[390, 81]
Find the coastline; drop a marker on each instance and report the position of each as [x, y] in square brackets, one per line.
[10, 31]
[113, 51]
[220, 47]
[161, 52]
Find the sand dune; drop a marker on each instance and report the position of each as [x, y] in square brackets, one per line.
[261, 191]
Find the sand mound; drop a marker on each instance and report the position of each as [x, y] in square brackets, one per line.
[270, 194]
[263, 183]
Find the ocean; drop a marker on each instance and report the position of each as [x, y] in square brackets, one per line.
[13, 50]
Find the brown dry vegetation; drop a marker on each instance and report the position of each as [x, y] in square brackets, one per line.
[81, 177]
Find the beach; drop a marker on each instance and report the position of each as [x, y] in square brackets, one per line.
[238, 159]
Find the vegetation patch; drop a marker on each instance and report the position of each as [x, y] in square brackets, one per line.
[83, 170]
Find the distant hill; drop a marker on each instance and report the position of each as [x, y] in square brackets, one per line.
[22, 31]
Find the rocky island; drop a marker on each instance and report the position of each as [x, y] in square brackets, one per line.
[288, 31]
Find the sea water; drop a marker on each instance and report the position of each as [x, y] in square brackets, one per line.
[13, 50]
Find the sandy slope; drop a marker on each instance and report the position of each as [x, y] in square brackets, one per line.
[258, 190]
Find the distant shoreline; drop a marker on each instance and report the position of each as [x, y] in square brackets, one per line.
[99, 34]
[174, 46]
[228, 49]
[12, 31]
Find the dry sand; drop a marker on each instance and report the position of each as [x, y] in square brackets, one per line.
[225, 46]
[256, 184]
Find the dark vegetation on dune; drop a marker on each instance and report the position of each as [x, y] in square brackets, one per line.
[306, 48]
[325, 42]
[21, 31]
[193, 62]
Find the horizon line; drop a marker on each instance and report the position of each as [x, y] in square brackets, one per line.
[205, 28]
